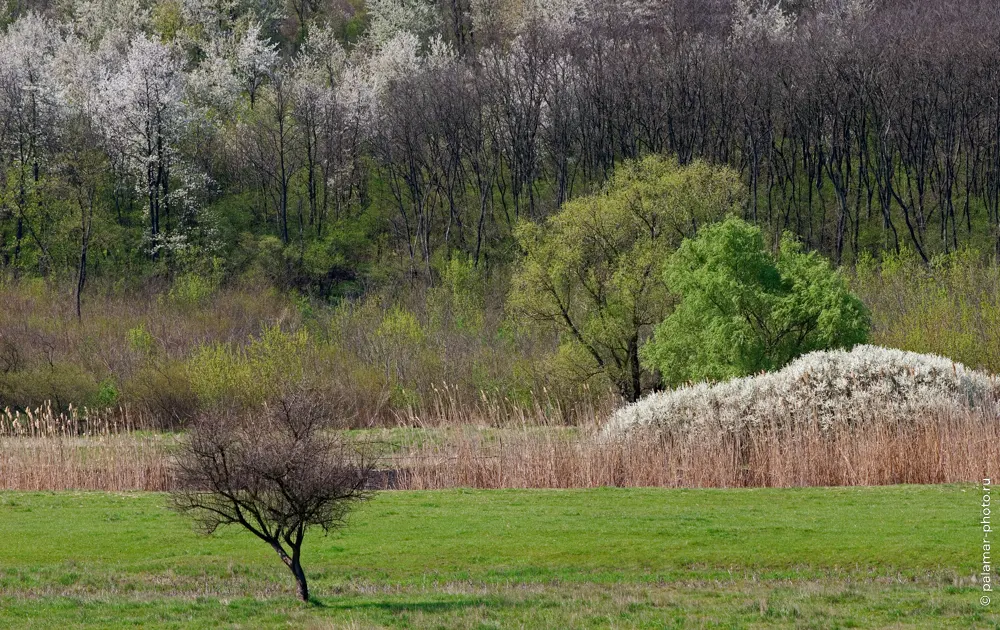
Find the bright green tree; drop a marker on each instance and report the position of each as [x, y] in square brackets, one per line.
[592, 271]
[743, 310]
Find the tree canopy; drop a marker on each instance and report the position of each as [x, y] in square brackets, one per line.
[744, 310]
[592, 271]
[372, 137]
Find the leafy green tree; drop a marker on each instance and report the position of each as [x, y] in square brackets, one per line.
[743, 309]
[592, 271]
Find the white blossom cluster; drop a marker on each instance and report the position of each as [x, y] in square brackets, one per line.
[28, 86]
[826, 386]
[760, 19]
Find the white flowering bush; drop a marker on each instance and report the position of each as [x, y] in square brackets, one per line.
[826, 386]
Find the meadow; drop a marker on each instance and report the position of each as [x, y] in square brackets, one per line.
[504, 511]
[475, 533]
[902, 556]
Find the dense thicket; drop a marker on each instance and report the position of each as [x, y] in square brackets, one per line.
[329, 144]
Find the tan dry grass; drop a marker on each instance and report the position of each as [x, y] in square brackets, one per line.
[60, 452]
[44, 450]
[115, 463]
[934, 449]
[448, 406]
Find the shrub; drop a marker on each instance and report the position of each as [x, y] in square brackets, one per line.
[191, 289]
[950, 307]
[140, 340]
[107, 395]
[744, 310]
[165, 392]
[460, 298]
[264, 260]
[249, 374]
[61, 383]
[828, 386]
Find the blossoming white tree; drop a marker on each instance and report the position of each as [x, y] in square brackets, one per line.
[760, 19]
[388, 18]
[141, 115]
[94, 20]
[254, 59]
[31, 107]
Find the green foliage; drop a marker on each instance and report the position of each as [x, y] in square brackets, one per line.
[354, 23]
[167, 19]
[192, 289]
[402, 398]
[460, 297]
[22, 196]
[139, 339]
[744, 310]
[592, 272]
[950, 307]
[322, 256]
[107, 395]
[400, 326]
[332, 263]
[400, 347]
[249, 374]
[266, 260]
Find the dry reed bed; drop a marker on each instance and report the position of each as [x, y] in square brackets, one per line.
[448, 406]
[944, 448]
[113, 453]
[43, 450]
[116, 463]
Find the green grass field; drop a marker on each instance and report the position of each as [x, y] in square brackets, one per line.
[900, 556]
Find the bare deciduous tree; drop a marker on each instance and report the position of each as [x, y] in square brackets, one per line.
[277, 473]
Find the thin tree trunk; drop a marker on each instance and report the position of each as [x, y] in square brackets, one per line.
[81, 277]
[294, 565]
[300, 580]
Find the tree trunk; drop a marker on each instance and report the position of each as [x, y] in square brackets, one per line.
[294, 565]
[81, 277]
[86, 222]
[635, 369]
[300, 580]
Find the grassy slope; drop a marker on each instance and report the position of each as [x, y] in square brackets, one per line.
[845, 557]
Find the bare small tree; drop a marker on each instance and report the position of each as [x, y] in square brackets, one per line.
[277, 473]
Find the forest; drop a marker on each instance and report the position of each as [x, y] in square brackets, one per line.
[364, 172]
[335, 147]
